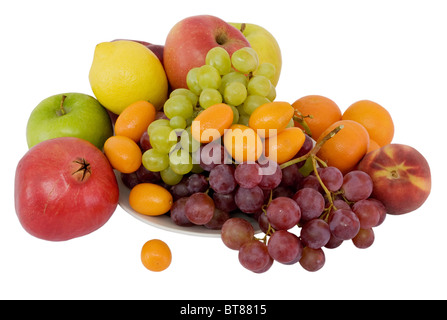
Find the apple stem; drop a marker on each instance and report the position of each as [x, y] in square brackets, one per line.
[243, 26]
[61, 109]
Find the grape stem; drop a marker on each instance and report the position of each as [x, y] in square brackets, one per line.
[299, 117]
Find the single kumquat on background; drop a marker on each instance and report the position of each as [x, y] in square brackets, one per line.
[123, 153]
[156, 255]
[375, 118]
[346, 148]
[133, 121]
[150, 199]
[318, 113]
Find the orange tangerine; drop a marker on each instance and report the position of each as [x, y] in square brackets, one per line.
[123, 153]
[156, 255]
[322, 113]
[211, 123]
[242, 143]
[346, 148]
[284, 146]
[134, 120]
[150, 199]
[271, 116]
[375, 118]
[372, 145]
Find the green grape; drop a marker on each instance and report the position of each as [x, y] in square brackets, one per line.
[177, 122]
[186, 92]
[196, 168]
[219, 58]
[272, 94]
[245, 60]
[170, 177]
[209, 97]
[267, 70]
[161, 139]
[178, 105]
[192, 81]
[180, 161]
[235, 114]
[259, 85]
[290, 124]
[157, 123]
[208, 77]
[154, 160]
[240, 109]
[235, 93]
[252, 102]
[187, 142]
[234, 76]
[243, 119]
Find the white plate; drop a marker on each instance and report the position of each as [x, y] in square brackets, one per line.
[165, 222]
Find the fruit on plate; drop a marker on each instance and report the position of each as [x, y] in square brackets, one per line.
[124, 72]
[64, 188]
[264, 44]
[69, 115]
[401, 177]
[189, 41]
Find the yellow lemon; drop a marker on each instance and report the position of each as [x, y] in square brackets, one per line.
[123, 72]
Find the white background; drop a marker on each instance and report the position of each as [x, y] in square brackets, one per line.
[391, 52]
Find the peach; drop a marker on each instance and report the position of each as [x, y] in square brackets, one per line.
[401, 177]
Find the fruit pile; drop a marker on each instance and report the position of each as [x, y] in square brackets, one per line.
[199, 135]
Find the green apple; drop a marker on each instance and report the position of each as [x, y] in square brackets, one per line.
[264, 44]
[69, 115]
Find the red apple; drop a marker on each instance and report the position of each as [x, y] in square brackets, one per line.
[189, 41]
[64, 188]
[401, 177]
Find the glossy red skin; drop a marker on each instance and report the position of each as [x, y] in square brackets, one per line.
[189, 41]
[52, 203]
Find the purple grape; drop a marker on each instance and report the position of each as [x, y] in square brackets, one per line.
[357, 185]
[236, 232]
[199, 209]
[364, 238]
[315, 233]
[219, 218]
[284, 247]
[333, 242]
[211, 155]
[271, 175]
[254, 256]
[248, 174]
[283, 213]
[312, 259]
[178, 215]
[368, 213]
[311, 203]
[249, 200]
[344, 224]
[224, 202]
[331, 177]
[196, 183]
[291, 176]
[221, 178]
